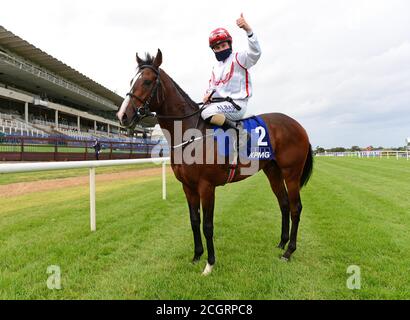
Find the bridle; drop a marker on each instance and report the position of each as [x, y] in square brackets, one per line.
[144, 110]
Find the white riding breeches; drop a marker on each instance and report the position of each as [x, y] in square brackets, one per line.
[225, 108]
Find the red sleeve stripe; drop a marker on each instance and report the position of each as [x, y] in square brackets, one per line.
[247, 83]
[247, 75]
[236, 57]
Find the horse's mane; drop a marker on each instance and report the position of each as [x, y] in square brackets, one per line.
[183, 93]
[149, 60]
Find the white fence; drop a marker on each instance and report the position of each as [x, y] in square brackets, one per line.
[48, 166]
[369, 154]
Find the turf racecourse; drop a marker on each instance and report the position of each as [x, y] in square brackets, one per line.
[356, 212]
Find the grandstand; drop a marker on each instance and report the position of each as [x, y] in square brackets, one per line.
[40, 96]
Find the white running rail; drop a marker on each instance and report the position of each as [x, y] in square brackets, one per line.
[48, 166]
[369, 154]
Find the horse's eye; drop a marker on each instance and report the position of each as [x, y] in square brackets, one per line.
[147, 82]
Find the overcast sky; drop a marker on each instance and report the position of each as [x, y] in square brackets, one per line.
[341, 68]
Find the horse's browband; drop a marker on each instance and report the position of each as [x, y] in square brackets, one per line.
[144, 66]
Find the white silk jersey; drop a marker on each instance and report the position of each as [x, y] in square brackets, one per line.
[230, 78]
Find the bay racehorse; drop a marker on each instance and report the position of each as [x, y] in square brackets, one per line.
[152, 90]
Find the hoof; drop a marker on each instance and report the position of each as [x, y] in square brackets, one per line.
[195, 260]
[207, 270]
[282, 244]
[283, 258]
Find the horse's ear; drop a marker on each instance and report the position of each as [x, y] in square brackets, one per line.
[139, 60]
[158, 59]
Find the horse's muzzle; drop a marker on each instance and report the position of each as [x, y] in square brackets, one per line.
[122, 117]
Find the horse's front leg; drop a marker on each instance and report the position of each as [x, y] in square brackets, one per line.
[194, 214]
[207, 194]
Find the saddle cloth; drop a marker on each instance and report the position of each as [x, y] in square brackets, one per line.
[257, 148]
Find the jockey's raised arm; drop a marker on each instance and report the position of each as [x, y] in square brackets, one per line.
[249, 58]
[230, 81]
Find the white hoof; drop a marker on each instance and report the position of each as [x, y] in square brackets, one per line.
[207, 270]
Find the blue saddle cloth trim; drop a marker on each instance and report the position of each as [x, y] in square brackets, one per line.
[259, 146]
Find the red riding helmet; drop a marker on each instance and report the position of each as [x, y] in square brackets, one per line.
[218, 36]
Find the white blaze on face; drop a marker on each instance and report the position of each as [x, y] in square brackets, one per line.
[123, 107]
[126, 101]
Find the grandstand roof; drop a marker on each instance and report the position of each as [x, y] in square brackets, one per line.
[29, 52]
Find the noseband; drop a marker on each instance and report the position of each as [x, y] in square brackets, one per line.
[144, 110]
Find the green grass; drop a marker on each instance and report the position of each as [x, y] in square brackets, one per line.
[355, 212]
[7, 178]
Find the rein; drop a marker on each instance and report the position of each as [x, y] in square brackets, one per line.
[147, 112]
[184, 116]
[146, 104]
[204, 105]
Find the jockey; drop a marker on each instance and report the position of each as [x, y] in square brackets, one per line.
[230, 84]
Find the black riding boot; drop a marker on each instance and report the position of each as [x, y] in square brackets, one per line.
[229, 124]
[242, 135]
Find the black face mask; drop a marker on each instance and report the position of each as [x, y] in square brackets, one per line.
[223, 55]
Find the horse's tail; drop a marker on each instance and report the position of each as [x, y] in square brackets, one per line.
[307, 169]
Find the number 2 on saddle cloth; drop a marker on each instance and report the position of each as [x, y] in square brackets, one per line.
[257, 148]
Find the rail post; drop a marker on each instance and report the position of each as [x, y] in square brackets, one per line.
[164, 182]
[92, 200]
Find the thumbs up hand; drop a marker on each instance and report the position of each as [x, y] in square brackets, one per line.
[241, 23]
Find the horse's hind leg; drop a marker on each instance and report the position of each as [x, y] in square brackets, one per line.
[274, 175]
[207, 194]
[293, 187]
